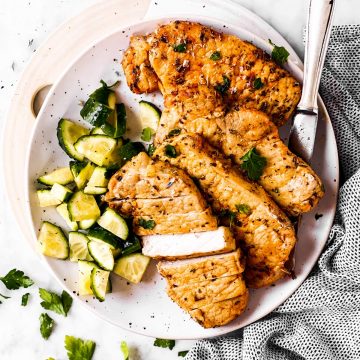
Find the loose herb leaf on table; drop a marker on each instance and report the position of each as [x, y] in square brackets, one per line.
[79, 349]
[16, 279]
[164, 343]
[54, 302]
[46, 325]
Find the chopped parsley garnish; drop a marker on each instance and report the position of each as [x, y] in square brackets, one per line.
[164, 343]
[183, 353]
[243, 208]
[130, 149]
[146, 224]
[16, 279]
[224, 86]
[174, 132]
[151, 149]
[170, 151]
[25, 299]
[46, 325]
[231, 215]
[215, 56]
[3, 297]
[257, 84]
[279, 54]
[78, 349]
[147, 134]
[253, 164]
[181, 48]
[125, 350]
[54, 302]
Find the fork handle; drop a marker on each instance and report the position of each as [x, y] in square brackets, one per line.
[317, 38]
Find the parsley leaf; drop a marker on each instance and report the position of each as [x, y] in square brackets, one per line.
[174, 132]
[231, 215]
[224, 86]
[146, 224]
[258, 84]
[183, 353]
[181, 48]
[78, 349]
[54, 302]
[215, 56]
[243, 208]
[253, 164]
[147, 134]
[16, 279]
[151, 149]
[164, 343]
[125, 350]
[170, 151]
[25, 299]
[46, 325]
[3, 297]
[279, 54]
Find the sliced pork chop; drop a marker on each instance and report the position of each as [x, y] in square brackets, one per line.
[266, 234]
[160, 198]
[181, 246]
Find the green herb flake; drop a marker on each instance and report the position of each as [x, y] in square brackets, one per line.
[78, 349]
[147, 134]
[243, 209]
[130, 149]
[258, 84]
[125, 350]
[146, 224]
[16, 279]
[3, 297]
[224, 86]
[215, 56]
[174, 132]
[279, 54]
[164, 343]
[231, 215]
[151, 149]
[46, 325]
[59, 304]
[25, 299]
[183, 353]
[253, 164]
[170, 151]
[181, 48]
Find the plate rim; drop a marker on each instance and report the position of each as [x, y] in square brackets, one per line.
[160, 20]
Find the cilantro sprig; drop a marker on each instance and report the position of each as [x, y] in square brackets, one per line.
[54, 302]
[164, 343]
[279, 54]
[15, 279]
[253, 164]
[46, 325]
[79, 349]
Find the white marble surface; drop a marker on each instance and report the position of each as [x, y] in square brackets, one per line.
[24, 24]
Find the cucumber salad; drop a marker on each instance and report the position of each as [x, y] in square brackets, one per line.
[97, 238]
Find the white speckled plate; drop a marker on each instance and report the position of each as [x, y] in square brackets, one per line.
[145, 308]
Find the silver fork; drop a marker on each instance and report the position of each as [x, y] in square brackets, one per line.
[303, 130]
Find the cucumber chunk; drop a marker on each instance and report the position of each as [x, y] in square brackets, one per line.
[132, 267]
[78, 247]
[60, 192]
[76, 167]
[84, 175]
[98, 177]
[86, 224]
[82, 206]
[99, 283]
[113, 222]
[102, 254]
[85, 268]
[68, 133]
[132, 246]
[149, 115]
[100, 234]
[52, 241]
[62, 176]
[94, 190]
[97, 148]
[96, 113]
[46, 198]
[64, 213]
[97, 131]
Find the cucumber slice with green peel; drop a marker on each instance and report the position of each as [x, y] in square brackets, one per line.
[68, 133]
[95, 190]
[102, 254]
[62, 176]
[113, 222]
[97, 131]
[98, 177]
[60, 192]
[46, 198]
[149, 115]
[52, 241]
[101, 94]
[78, 247]
[99, 280]
[82, 206]
[85, 268]
[86, 224]
[96, 113]
[100, 234]
[130, 247]
[76, 167]
[97, 148]
[64, 213]
[84, 175]
[132, 267]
